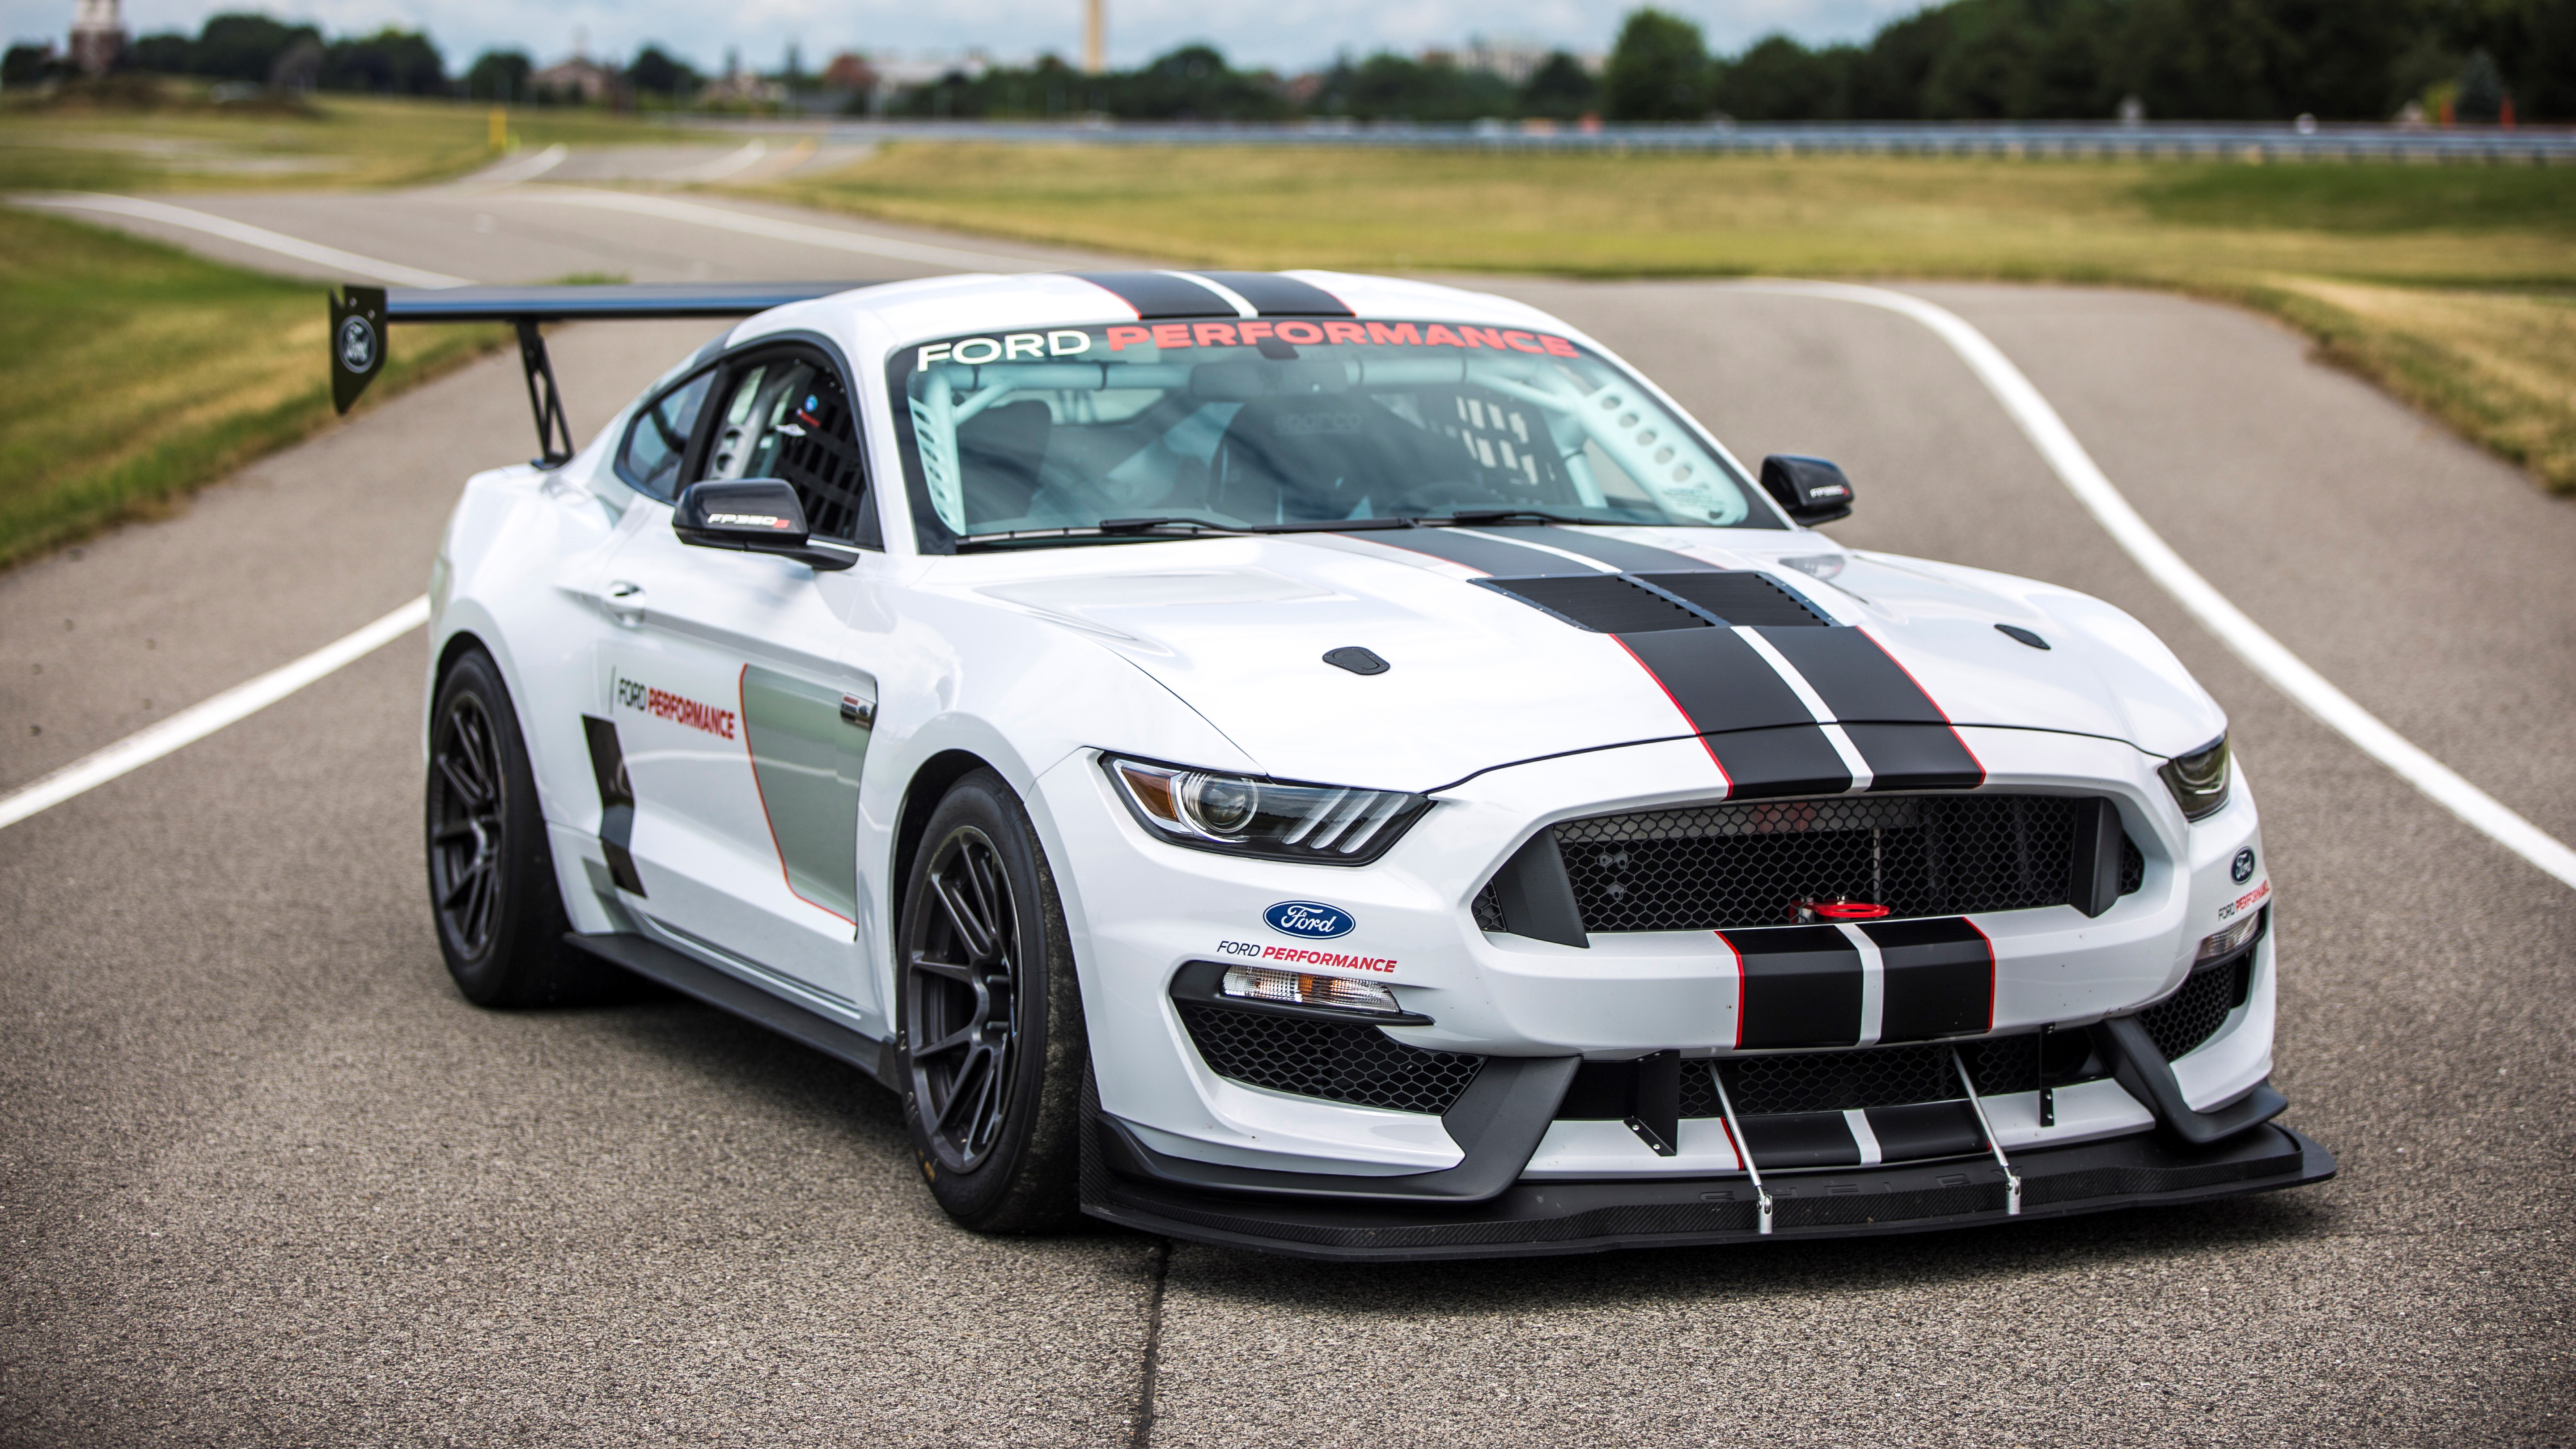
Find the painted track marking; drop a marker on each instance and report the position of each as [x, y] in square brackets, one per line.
[526, 169]
[248, 235]
[2249, 641]
[204, 718]
[776, 229]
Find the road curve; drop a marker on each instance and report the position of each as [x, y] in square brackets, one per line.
[269, 1178]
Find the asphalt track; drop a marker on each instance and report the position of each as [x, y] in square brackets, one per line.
[267, 1179]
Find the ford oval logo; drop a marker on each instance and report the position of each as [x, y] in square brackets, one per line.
[2243, 866]
[1309, 920]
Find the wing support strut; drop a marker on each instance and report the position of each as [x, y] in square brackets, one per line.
[554, 435]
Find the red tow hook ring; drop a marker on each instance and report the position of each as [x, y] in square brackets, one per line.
[1810, 912]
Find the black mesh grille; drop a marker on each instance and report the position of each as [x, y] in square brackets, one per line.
[1345, 1062]
[1713, 867]
[1880, 1076]
[2194, 1014]
[1489, 909]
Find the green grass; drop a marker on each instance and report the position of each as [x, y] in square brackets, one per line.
[136, 373]
[2444, 284]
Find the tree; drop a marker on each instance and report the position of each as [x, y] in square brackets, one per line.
[166, 53]
[389, 62]
[498, 75]
[1780, 80]
[658, 74]
[1560, 88]
[244, 47]
[1658, 71]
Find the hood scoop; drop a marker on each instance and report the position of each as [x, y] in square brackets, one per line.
[1654, 603]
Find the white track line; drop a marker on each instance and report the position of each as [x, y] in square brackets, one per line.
[726, 165]
[248, 235]
[779, 230]
[511, 172]
[2250, 641]
[200, 720]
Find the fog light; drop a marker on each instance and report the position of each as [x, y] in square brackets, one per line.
[2223, 943]
[1292, 988]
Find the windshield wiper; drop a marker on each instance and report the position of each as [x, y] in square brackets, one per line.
[1470, 516]
[1106, 528]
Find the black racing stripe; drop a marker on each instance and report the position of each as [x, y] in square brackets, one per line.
[1273, 295]
[1856, 678]
[1721, 683]
[1157, 295]
[1774, 764]
[1801, 987]
[1619, 553]
[1922, 1130]
[1940, 978]
[1801, 1139]
[1916, 757]
[1490, 554]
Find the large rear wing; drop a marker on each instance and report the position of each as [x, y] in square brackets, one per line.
[359, 316]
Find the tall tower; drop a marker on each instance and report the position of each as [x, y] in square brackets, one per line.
[1095, 36]
[98, 35]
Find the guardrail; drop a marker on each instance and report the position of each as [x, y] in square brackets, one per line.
[2069, 140]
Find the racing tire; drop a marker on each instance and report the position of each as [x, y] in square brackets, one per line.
[990, 1016]
[492, 885]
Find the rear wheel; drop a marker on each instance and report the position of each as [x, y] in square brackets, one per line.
[993, 1043]
[492, 881]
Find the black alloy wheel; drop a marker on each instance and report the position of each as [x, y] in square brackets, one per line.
[962, 1021]
[492, 887]
[465, 826]
[992, 1038]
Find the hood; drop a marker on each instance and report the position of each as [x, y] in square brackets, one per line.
[1480, 675]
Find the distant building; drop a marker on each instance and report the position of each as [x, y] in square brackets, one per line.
[578, 76]
[850, 71]
[98, 35]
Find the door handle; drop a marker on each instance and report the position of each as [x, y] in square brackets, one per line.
[625, 603]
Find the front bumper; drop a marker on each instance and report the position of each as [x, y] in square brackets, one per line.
[1125, 1183]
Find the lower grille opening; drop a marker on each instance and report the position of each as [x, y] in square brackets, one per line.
[2185, 1020]
[1339, 1061]
[1843, 1081]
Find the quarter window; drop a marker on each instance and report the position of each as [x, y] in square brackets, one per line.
[659, 438]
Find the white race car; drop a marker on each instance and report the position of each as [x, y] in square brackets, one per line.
[1332, 765]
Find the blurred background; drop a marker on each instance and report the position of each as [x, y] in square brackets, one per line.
[2391, 177]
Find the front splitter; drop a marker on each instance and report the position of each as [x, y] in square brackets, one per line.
[1593, 1216]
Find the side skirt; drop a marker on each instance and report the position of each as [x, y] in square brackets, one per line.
[654, 961]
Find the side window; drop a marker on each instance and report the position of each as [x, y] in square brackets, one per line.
[787, 416]
[659, 437]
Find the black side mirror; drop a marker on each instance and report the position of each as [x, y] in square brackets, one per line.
[750, 515]
[1810, 490]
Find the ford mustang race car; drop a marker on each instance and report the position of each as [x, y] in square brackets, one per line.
[1331, 765]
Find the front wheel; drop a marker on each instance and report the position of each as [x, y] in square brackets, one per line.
[993, 1044]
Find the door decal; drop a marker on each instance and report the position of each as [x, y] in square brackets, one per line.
[807, 744]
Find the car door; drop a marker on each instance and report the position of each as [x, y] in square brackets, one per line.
[735, 705]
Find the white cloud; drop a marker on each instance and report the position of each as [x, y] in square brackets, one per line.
[1289, 34]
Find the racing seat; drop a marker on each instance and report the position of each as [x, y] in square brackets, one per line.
[1302, 459]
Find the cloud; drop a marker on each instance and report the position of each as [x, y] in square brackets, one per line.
[1288, 34]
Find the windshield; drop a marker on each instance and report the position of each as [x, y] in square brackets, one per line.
[1266, 424]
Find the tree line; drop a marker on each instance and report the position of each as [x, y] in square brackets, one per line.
[2477, 60]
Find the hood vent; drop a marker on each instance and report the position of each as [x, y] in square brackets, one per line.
[1604, 603]
[1740, 598]
[1653, 603]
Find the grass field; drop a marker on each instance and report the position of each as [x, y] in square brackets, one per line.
[136, 372]
[2449, 285]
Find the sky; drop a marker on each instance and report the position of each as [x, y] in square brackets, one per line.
[1288, 34]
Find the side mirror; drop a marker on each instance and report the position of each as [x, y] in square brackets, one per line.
[1810, 490]
[750, 515]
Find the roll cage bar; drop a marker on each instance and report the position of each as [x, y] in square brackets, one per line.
[359, 316]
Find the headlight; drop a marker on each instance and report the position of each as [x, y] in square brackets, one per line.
[1240, 815]
[2199, 780]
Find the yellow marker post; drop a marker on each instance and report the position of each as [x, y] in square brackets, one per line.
[500, 129]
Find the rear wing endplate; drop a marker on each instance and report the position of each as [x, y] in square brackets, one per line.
[359, 316]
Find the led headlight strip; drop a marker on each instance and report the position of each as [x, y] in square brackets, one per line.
[1275, 819]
